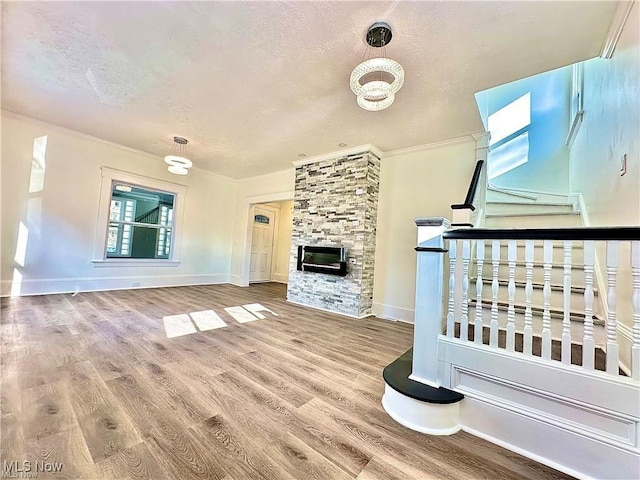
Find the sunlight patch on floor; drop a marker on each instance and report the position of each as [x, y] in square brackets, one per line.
[256, 308]
[240, 314]
[186, 323]
[207, 320]
[178, 325]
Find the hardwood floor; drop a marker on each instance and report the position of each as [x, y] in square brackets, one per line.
[91, 380]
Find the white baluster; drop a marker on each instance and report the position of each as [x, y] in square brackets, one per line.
[566, 290]
[528, 292]
[452, 289]
[635, 346]
[612, 327]
[477, 328]
[495, 262]
[511, 290]
[588, 343]
[546, 302]
[464, 317]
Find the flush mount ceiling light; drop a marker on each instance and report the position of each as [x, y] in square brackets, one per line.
[178, 162]
[376, 80]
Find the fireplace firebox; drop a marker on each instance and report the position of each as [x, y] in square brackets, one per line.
[330, 260]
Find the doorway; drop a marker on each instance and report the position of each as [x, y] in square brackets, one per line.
[271, 225]
[262, 233]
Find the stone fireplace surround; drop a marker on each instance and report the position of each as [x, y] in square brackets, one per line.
[335, 204]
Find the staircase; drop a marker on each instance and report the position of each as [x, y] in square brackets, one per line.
[538, 210]
[506, 208]
[539, 343]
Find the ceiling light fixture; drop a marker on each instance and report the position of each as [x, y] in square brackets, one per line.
[178, 162]
[376, 80]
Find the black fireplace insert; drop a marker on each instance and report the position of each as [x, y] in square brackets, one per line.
[330, 260]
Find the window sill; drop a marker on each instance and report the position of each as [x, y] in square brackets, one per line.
[122, 262]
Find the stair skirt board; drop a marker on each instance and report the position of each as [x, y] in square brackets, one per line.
[531, 214]
[555, 447]
[534, 220]
[546, 204]
[582, 423]
[419, 407]
[541, 208]
[527, 193]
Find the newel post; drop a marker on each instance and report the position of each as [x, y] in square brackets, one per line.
[429, 300]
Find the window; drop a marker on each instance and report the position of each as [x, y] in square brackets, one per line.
[509, 145]
[138, 220]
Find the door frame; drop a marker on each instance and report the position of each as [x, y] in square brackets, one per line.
[274, 240]
[250, 203]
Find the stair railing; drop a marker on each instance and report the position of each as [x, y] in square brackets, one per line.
[460, 296]
[151, 216]
[469, 212]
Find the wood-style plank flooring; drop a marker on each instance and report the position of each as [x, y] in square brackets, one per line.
[91, 380]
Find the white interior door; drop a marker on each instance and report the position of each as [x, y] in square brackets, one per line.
[262, 245]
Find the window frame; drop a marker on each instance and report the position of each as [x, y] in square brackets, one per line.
[111, 176]
[576, 102]
[120, 227]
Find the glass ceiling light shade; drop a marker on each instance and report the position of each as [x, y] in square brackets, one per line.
[178, 162]
[376, 93]
[178, 170]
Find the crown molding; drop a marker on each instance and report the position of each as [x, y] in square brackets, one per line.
[86, 136]
[261, 176]
[615, 29]
[482, 139]
[430, 146]
[340, 153]
[213, 174]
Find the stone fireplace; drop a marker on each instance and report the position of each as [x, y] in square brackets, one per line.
[335, 205]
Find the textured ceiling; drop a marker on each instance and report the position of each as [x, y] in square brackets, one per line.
[254, 84]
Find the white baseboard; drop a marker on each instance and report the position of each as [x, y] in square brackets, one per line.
[280, 277]
[47, 286]
[581, 422]
[571, 453]
[525, 453]
[391, 312]
[238, 281]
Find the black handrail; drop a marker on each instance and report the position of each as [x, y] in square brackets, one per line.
[578, 233]
[471, 192]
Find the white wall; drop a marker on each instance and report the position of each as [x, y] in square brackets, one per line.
[415, 184]
[418, 184]
[282, 248]
[610, 129]
[265, 188]
[61, 219]
[547, 168]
